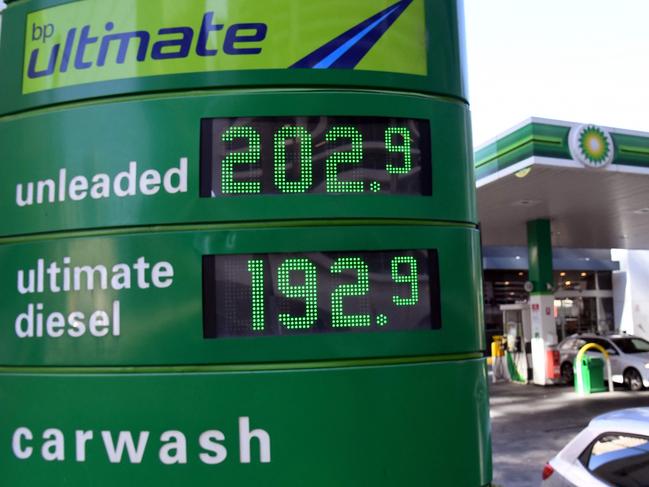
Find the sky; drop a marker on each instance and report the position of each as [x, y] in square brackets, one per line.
[578, 60]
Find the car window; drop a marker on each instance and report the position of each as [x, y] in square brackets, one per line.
[619, 459]
[567, 345]
[632, 345]
[602, 342]
[579, 343]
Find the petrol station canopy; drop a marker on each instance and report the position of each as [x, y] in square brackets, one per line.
[591, 182]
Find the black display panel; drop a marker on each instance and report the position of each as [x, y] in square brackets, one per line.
[320, 292]
[322, 154]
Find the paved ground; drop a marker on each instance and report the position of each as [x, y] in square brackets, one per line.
[530, 424]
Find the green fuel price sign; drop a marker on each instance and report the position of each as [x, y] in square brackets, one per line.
[323, 292]
[284, 155]
[251, 209]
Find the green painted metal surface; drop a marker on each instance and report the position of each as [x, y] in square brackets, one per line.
[422, 50]
[539, 248]
[592, 374]
[534, 139]
[380, 426]
[158, 132]
[631, 150]
[163, 325]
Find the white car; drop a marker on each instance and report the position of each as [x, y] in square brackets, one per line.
[612, 450]
[629, 357]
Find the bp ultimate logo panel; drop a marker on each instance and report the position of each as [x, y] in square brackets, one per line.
[93, 41]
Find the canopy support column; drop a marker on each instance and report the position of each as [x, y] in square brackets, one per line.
[544, 334]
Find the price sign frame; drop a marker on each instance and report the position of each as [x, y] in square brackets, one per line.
[320, 292]
[260, 156]
[165, 325]
[105, 139]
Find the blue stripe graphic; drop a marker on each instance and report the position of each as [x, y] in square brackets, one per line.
[334, 56]
[347, 50]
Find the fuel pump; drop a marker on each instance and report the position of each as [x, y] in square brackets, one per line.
[517, 333]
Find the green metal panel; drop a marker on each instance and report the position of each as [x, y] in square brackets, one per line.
[631, 150]
[592, 374]
[539, 247]
[421, 51]
[157, 132]
[163, 325]
[416, 425]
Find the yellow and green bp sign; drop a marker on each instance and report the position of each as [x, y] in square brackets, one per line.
[98, 41]
[63, 51]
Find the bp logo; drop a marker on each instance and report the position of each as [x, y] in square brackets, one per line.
[591, 145]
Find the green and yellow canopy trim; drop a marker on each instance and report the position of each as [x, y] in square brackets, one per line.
[591, 145]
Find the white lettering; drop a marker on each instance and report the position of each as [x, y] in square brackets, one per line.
[175, 442]
[208, 441]
[162, 275]
[81, 438]
[37, 323]
[62, 177]
[125, 439]
[130, 447]
[21, 199]
[99, 323]
[90, 277]
[245, 438]
[41, 186]
[129, 177]
[30, 287]
[77, 324]
[78, 188]
[121, 277]
[19, 435]
[150, 182]
[141, 266]
[55, 325]
[123, 184]
[28, 319]
[181, 175]
[100, 186]
[53, 449]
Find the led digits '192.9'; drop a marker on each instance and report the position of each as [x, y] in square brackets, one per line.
[308, 291]
[321, 292]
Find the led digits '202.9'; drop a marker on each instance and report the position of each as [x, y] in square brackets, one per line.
[270, 294]
[284, 160]
[297, 155]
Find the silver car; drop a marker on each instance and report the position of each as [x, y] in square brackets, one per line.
[629, 357]
[612, 450]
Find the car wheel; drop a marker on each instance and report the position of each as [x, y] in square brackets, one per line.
[567, 373]
[632, 380]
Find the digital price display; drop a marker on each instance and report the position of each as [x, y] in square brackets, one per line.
[320, 292]
[331, 155]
